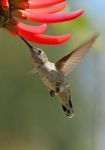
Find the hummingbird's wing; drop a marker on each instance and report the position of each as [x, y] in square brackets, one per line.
[70, 61]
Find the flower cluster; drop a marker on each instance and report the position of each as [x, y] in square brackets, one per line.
[41, 11]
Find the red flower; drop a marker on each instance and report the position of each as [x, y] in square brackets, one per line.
[42, 11]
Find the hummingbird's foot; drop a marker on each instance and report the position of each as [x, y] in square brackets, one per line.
[57, 88]
[52, 93]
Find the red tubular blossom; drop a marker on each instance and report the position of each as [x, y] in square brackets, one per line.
[48, 10]
[52, 18]
[5, 4]
[42, 11]
[43, 3]
[28, 29]
[45, 39]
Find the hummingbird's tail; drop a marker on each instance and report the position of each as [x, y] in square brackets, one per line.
[68, 110]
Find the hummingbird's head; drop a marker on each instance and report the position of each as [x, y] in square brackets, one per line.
[39, 56]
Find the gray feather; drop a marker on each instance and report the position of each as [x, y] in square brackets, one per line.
[70, 61]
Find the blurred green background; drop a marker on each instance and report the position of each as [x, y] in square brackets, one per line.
[29, 118]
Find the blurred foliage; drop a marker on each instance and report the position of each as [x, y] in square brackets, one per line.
[29, 118]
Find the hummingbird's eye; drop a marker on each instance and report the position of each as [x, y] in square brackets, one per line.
[39, 52]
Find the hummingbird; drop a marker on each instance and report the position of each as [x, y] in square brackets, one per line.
[53, 75]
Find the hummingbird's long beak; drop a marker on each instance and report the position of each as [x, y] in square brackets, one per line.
[29, 45]
[31, 48]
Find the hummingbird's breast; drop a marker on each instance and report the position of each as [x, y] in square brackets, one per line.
[49, 75]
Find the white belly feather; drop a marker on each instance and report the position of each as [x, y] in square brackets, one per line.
[48, 73]
[50, 66]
